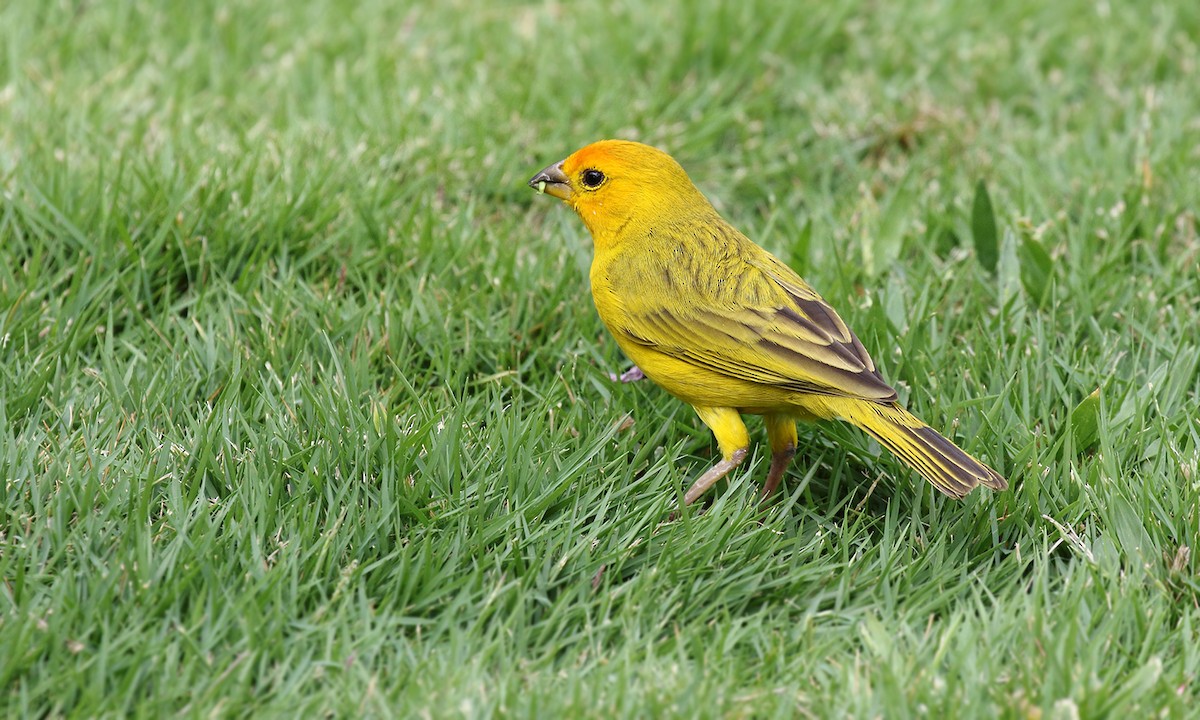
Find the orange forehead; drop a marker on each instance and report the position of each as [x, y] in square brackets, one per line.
[614, 155]
[598, 153]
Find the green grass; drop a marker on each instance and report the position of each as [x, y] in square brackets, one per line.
[306, 410]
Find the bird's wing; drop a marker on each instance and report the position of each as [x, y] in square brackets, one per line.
[762, 324]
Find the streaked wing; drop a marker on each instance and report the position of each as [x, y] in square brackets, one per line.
[773, 330]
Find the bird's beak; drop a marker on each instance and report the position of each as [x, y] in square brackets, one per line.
[553, 181]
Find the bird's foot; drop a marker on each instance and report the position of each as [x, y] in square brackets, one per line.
[633, 374]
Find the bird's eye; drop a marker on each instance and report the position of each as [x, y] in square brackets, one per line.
[592, 178]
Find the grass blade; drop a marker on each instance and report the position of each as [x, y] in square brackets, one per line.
[983, 228]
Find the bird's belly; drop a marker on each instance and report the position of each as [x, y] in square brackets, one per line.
[704, 387]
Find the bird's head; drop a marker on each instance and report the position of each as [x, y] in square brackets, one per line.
[617, 186]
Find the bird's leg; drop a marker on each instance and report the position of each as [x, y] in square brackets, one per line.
[779, 463]
[713, 474]
[781, 432]
[732, 438]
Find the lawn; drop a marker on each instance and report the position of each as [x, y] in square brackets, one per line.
[305, 409]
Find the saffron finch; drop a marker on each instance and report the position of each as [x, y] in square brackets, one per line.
[725, 326]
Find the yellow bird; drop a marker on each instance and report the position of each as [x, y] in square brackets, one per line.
[725, 326]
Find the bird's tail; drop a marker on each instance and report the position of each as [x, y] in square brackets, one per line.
[938, 460]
